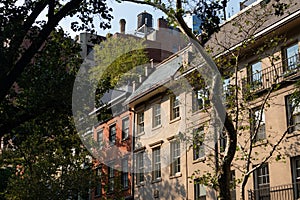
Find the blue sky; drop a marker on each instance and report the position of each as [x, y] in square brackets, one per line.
[129, 12]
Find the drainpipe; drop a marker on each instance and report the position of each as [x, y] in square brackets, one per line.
[186, 159]
[132, 149]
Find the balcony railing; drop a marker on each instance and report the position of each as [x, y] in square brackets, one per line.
[282, 71]
[282, 192]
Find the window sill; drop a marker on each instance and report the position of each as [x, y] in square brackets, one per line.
[156, 180]
[156, 127]
[176, 175]
[202, 159]
[140, 134]
[123, 140]
[175, 120]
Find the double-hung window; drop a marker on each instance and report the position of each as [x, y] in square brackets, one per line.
[125, 128]
[198, 146]
[156, 115]
[262, 182]
[200, 99]
[156, 163]
[175, 107]
[140, 167]
[291, 55]
[175, 157]
[124, 180]
[255, 77]
[295, 162]
[258, 123]
[111, 177]
[112, 134]
[199, 190]
[140, 122]
[98, 189]
[100, 138]
[293, 113]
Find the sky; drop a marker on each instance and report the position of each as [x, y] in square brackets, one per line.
[129, 12]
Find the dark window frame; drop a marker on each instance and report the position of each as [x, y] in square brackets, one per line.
[125, 173]
[112, 134]
[125, 130]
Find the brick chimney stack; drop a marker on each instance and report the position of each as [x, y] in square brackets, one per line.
[122, 26]
[162, 23]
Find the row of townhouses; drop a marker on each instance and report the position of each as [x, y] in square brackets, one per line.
[162, 141]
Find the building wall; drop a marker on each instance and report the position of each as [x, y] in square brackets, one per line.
[168, 186]
[114, 153]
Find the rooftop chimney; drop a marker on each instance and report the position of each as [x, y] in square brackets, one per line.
[162, 23]
[122, 26]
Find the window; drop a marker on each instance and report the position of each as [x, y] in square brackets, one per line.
[156, 165]
[293, 114]
[198, 139]
[175, 157]
[199, 190]
[140, 167]
[124, 180]
[175, 107]
[111, 177]
[291, 55]
[228, 90]
[255, 77]
[125, 128]
[140, 122]
[200, 99]
[112, 134]
[156, 115]
[295, 162]
[100, 138]
[98, 189]
[258, 124]
[262, 182]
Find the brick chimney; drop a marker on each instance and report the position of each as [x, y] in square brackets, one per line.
[162, 23]
[122, 26]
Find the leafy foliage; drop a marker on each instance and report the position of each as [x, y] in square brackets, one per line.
[45, 152]
[118, 62]
[23, 32]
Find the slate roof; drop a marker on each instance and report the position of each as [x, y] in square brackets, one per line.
[111, 94]
[160, 76]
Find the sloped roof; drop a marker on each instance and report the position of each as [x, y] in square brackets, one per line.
[231, 34]
[111, 95]
[160, 76]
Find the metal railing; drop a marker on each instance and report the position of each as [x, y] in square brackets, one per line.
[282, 192]
[274, 74]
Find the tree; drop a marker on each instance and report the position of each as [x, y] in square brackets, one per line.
[23, 33]
[175, 12]
[45, 154]
[117, 60]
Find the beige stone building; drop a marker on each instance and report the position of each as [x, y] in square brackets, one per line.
[175, 143]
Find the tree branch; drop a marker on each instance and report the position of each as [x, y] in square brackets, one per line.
[7, 81]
